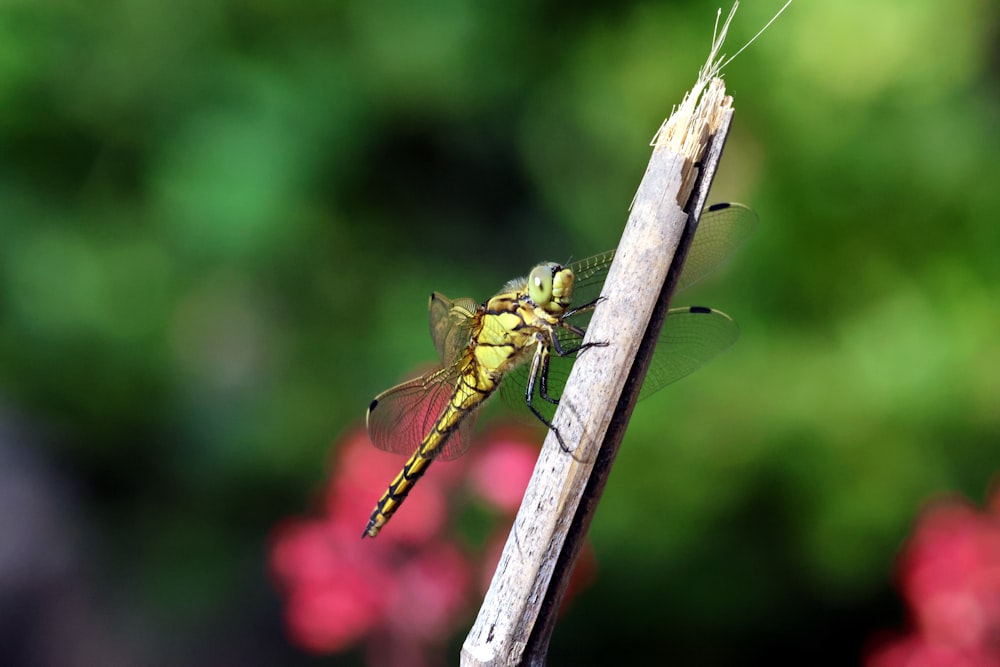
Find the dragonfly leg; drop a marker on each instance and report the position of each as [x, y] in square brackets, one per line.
[584, 308]
[562, 352]
[575, 330]
[543, 377]
[540, 372]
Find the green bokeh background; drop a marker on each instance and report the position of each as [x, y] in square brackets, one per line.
[219, 222]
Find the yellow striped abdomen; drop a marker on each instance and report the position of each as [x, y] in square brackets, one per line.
[502, 338]
[472, 388]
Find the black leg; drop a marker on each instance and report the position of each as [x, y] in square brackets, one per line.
[584, 308]
[576, 331]
[540, 370]
[543, 380]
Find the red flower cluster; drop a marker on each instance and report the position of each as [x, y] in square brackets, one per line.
[949, 573]
[403, 593]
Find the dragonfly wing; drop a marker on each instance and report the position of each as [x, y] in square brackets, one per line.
[450, 323]
[401, 417]
[690, 338]
[590, 274]
[722, 230]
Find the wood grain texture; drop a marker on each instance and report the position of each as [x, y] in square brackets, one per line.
[518, 612]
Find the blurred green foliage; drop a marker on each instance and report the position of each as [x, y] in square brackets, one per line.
[219, 222]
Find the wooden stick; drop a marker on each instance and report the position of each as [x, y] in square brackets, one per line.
[516, 619]
[562, 570]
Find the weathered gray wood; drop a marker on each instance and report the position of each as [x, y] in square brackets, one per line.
[517, 616]
[538, 642]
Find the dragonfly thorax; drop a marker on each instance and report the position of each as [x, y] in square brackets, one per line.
[550, 287]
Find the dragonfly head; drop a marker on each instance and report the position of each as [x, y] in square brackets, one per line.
[550, 287]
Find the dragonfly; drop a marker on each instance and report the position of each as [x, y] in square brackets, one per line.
[523, 341]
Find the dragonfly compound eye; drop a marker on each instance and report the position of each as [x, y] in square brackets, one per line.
[540, 283]
[562, 286]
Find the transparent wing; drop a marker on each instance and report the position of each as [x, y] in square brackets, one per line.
[722, 230]
[399, 418]
[691, 337]
[451, 325]
[590, 275]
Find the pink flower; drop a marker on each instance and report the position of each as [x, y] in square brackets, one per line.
[363, 473]
[951, 576]
[916, 651]
[502, 468]
[333, 595]
[949, 573]
[341, 590]
[430, 592]
[402, 594]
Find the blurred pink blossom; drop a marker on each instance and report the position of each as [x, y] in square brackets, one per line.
[949, 573]
[401, 595]
[432, 590]
[501, 471]
[333, 598]
[362, 473]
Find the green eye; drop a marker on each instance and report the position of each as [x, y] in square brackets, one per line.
[540, 283]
